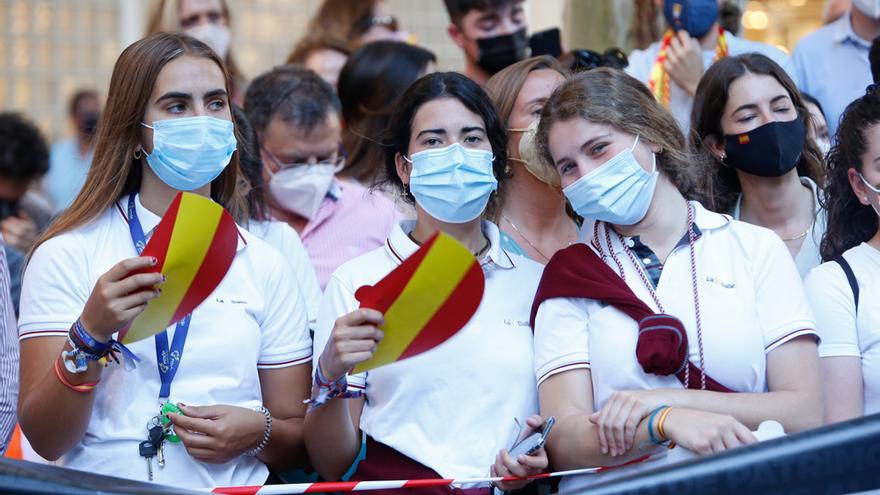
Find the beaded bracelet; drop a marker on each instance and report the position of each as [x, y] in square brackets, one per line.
[82, 388]
[266, 433]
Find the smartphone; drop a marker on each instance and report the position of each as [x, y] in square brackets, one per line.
[534, 441]
[546, 43]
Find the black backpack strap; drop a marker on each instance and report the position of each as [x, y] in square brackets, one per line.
[850, 277]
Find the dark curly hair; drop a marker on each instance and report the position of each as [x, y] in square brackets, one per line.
[24, 154]
[849, 222]
[432, 87]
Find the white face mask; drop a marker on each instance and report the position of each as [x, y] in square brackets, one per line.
[214, 35]
[301, 189]
[870, 8]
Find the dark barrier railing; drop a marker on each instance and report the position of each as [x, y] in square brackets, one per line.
[842, 458]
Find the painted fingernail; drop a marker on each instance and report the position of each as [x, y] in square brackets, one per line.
[163, 277]
[153, 260]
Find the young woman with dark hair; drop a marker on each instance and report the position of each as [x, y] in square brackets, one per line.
[635, 342]
[750, 124]
[842, 289]
[447, 412]
[240, 362]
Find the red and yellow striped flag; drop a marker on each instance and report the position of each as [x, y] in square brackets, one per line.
[194, 244]
[426, 300]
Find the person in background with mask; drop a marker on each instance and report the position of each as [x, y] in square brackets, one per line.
[490, 33]
[842, 290]
[207, 21]
[532, 209]
[832, 63]
[324, 55]
[817, 130]
[750, 123]
[636, 345]
[296, 116]
[278, 234]
[694, 40]
[447, 149]
[71, 158]
[24, 214]
[238, 366]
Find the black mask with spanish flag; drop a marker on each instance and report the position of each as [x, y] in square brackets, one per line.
[767, 151]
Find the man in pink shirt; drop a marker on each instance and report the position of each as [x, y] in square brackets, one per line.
[297, 118]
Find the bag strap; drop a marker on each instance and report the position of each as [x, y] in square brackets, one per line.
[851, 278]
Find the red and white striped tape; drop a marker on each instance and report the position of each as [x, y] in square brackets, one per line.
[358, 486]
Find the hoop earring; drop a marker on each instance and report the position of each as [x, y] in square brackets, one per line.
[137, 154]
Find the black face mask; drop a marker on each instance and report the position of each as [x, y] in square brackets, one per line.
[498, 52]
[90, 124]
[768, 151]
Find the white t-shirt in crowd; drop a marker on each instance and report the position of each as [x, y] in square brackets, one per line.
[254, 320]
[845, 331]
[751, 302]
[283, 238]
[808, 257]
[451, 408]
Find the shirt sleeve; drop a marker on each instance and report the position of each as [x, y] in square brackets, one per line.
[562, 340]
[338, 300]
[640, 64]
[833, 305]
[8, 359]
[285, 339]
[781, 303]
[56, 286]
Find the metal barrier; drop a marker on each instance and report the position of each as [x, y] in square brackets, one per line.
[841, 458]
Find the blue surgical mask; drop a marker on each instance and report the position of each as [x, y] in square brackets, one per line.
[190, 152]
[452, 184]
[618, 192]
[694, 16]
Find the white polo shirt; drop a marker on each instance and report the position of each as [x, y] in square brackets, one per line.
[751, 302]
[451, 408]
[283, 238]
[808, 257]
[255, 319]
[845, 331]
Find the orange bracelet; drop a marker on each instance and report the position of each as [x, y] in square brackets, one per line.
[661, 421]
[82, 388]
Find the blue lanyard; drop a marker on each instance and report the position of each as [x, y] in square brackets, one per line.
[168, 360]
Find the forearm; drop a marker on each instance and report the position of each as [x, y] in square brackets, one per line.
[574, 444]
[286, 448]
[795, 410]
[332, 439]
[41, 406]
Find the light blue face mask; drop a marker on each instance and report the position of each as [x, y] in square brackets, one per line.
[618, 192]
[190, 152]
[452, 184]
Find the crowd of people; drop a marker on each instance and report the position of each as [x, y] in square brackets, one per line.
[677, 246]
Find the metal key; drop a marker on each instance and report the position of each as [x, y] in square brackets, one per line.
[148, 450]
[157, 437]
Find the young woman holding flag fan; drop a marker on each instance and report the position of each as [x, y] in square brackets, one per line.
[240, 360]
[635, 342]
[448, 412]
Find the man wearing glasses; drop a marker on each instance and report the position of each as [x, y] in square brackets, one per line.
[296, 116]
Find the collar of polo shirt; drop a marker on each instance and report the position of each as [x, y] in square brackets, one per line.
[401, 247]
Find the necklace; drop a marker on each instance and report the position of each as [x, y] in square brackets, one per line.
[479, 254]
[527, 239]
[799, 236]
[692, 237]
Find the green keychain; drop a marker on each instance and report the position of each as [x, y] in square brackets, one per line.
[169, 407]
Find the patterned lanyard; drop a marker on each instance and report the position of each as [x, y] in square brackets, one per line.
[692, 237]
[658, 81]
[167, 359]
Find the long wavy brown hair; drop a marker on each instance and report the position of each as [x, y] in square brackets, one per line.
[114, 171]
[720, 182]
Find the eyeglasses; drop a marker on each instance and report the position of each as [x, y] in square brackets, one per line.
[588, 59]
[337, 162]
[386, 21]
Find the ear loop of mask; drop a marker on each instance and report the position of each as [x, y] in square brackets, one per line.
[872, 188]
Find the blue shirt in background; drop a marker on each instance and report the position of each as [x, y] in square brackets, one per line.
[67, 173]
